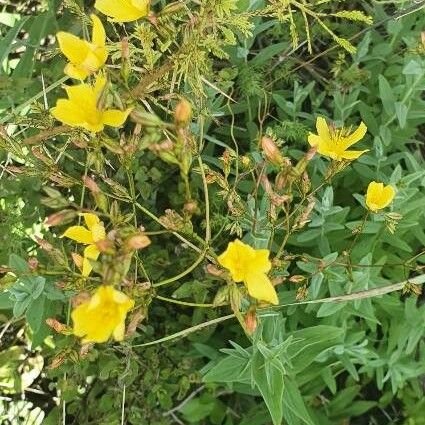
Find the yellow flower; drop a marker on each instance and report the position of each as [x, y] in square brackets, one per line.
[123, 10]
[334, 142]
[94, 232]
[102, 315]
[379, 196]
[81, 109]
[250, 266]
[84, 57]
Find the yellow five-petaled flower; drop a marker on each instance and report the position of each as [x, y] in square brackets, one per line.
[94, 232]
[334, 142]
[83, 108]
[123, 10]
[250, 266]
[102, 316]
[379, 196]
[84, 57]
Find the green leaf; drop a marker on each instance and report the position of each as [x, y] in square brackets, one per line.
[387, 97]
[35, 313]
[269, 380]
[18, 264]
[293, 400]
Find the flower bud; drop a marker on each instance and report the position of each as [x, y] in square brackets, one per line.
[271, 151]
[191, 207]
[77, 259]
[137, 242]
[183, 113]
[57, 326]
[60, 217]
[296, 278]
[91, 185]
[251, 321]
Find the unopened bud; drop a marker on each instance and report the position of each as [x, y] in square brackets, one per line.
[57, 361]
[61, 217]
[106, 246]
[183, 113]
[246, 162]
[296, 278]
[271, 151]
[44, 245]
[77, 259]
[137, 242]
[125, 51]
[57, 326]
[214, 270]
[302, 293]
[191, 207]
[251, 321]
[91, 185]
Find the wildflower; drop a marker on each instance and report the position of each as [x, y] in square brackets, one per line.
[334, 142]
[94, 232]
[250, 266]
[102, 315]
[123, 10]
[379, 196]
[85, 57]
[82, 109]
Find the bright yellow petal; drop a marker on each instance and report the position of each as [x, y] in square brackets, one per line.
[98, 232]
[98, 34]
[261, 261]
[99, 85]
[354, 137]
[119, 331]
[81, 94]
[75, 71]
[115, 117]
[388, 194]
[314, 139]
[72, 47]
[142, 5]
[79, 234]
[352, 154]
[260, 288]
[68, 113]
[90, 219]
[323, 129]
[90, 253]
[120, 10]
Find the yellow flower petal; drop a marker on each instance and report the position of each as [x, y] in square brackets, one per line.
[260, 287]
[261, 261]
[74, 49]
[122, 10]
[354, 137]
[68, 113]
[352, 154]
[314, 139]
[90, 219]
[75, 72]
[103, 316]
[115, 117]
[90, 253]
[379, 196]
[79, 234]
[98, 34]
[98, 232]
[322, 128]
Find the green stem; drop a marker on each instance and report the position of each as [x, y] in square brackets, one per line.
[185, 303]
[182, 274]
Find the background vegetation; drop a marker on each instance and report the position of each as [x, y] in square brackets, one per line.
[249, 68]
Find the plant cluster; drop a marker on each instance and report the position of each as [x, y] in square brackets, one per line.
[212, 212]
